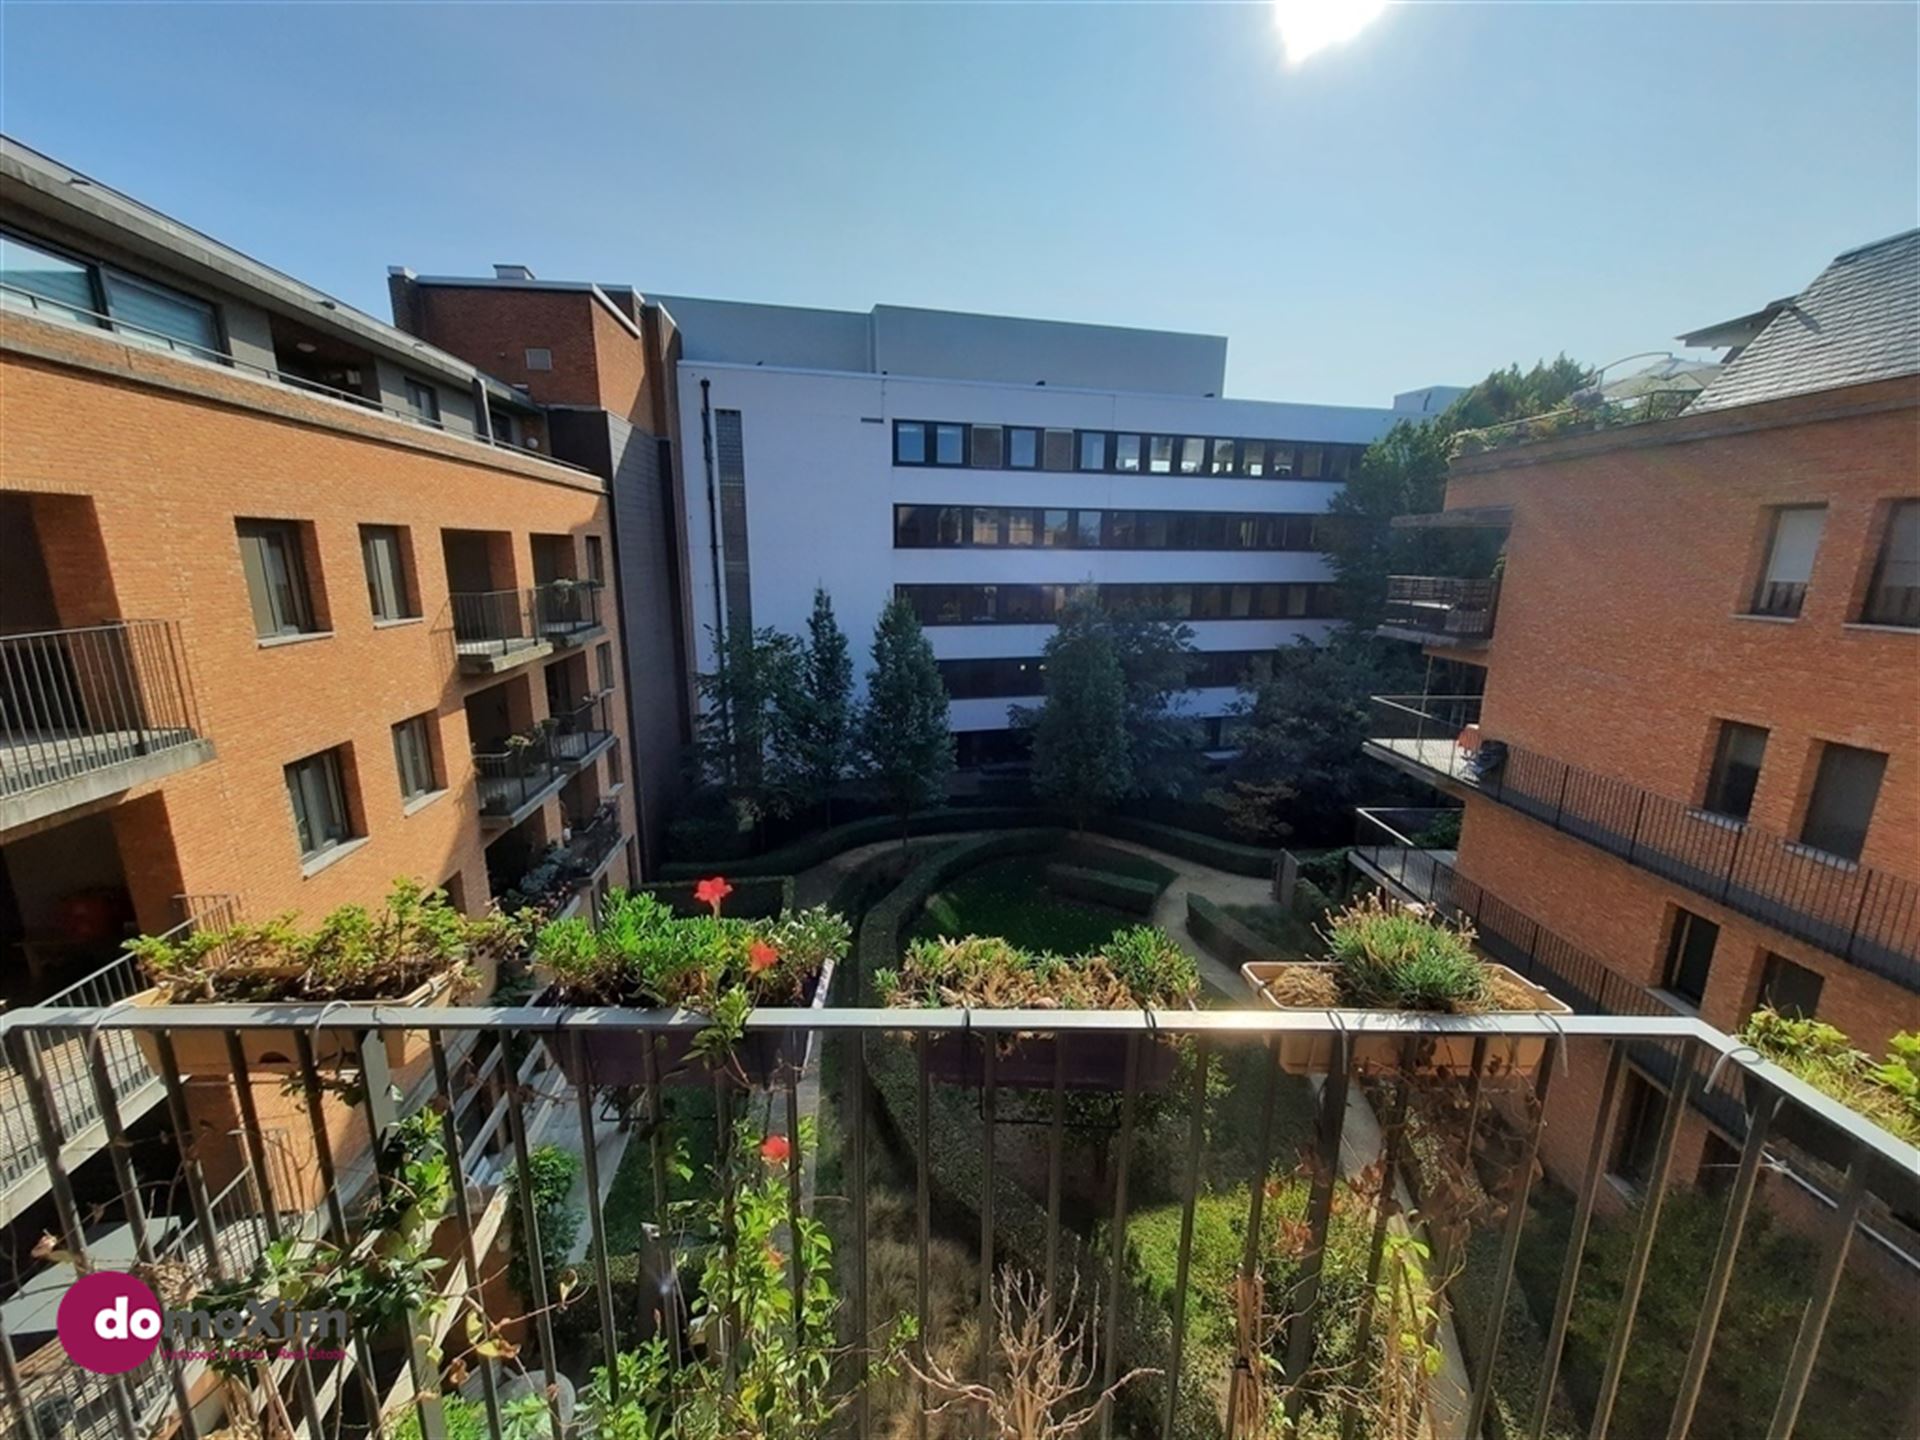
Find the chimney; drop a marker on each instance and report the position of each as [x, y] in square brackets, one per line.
[403, 293]
[512, 272]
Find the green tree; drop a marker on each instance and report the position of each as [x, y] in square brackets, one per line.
[903, 738]
[815, 738]
[1082, 754]
[1404, 472]
[756, 671]
[1157, 658]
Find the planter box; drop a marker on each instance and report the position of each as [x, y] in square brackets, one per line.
[1305, 1054]
[1093, 1061]
[204, 1052]
[618, 1058]
[1799, 1129]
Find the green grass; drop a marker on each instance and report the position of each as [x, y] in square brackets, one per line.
[1006, 898]
[1287, 932]
[1095, 856]
[687, 1116]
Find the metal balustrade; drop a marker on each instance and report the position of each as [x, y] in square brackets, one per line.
[523, 770]
[581, 730]
[493, 623]
[887, 1070]
[86, 699]
[1441, 608]
[1853, 911]
[564, 610]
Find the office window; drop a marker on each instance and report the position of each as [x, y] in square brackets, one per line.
[909, 443]
[413, 757]
[539, 357]
[603, 663]
[1894, 598]
[615, 776]
[1120, 533]
[423, 400]
[1023, 448]
[1736, 769]
[1793, 539]
[1689, 955]
[1312, 461]
[276, 577]
[1020, 527]
[58, 286]
[1280, 462]
[1126, 453]
[1057, 450]
[1253, 458]
[1160, 454]
[1056, 529]
[1222, 457]
[1193, 454]
[1093, 450]
[596, 560]
[320, 817]
[1845, 788]
[987, 525]
[949, 445]
[1086, 528]
[1791, 989]
[139, 309]
[383, 549]
[988, 447]
[1641, 1111]
[153, 314]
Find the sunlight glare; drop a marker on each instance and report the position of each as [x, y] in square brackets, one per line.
[1309, 26]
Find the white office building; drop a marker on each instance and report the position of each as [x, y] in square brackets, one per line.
[984, 467]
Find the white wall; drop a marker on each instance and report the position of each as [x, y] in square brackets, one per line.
[821, 488]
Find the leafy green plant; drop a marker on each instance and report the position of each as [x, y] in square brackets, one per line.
[1137, 968]
[550, 1174]
[1397, 957]
[352, 954]
[1887, 1093]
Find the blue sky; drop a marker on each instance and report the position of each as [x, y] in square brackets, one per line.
[1462, 185]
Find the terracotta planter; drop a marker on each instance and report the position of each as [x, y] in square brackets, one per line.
[760, 1059]
[1312, 1054]
[204, 1052]
[1026, 1062]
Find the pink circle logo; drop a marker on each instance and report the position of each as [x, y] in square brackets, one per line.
[109, 1322]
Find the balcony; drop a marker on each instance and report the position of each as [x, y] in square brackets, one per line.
[1859, 914]
[556, 881]
[89, 712]
[498, 630]
[582, 731]
[1149, 1220]
[515, 778]
[1437, 610]
[567, 612]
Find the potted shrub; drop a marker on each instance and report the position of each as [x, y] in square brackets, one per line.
[415, 950]
[1137, 969]
[1386, 956]
[1887, 1093]
[645, 957]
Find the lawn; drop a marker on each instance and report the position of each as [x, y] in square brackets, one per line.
[1006, 898]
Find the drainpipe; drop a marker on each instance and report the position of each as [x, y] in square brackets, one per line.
[713, 541]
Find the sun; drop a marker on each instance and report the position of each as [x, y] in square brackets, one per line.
[1309, 26]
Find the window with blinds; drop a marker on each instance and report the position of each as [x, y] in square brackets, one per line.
[276, 578]
[317, 790]
[1894, 598]
[155, 315]
[383, 549]
[413, 757]
[1792, 542]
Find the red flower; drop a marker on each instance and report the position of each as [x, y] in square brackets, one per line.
[775, 1258]
[775, 1149]
[712, 891]
[761, 957]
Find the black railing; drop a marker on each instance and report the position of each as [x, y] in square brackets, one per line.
[1853, 911]
[1444, 608]
[564, 608]
[74, 701]
[515, 774]
[1893, 605]
[1779, 598]
[493, 622]
[580, 730]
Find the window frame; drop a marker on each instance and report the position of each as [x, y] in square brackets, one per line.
[1775, 967]
[421, 729]
[291, 536]
[1902, 619]
[402, 578]
[1681, 955]
[1790, 605]
[1714, 796]
[332, 785]
[415, 388]
[1829, 750]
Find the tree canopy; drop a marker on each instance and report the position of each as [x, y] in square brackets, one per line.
[1082, 754]
[902, 731]
[815, 741]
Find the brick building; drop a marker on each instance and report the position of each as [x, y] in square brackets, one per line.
[294, 604]
[1701, 656]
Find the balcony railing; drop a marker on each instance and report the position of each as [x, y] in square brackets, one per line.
[581, 730]
[77, 701]
[517, 773]
[1853, 911]
[1441, 609]
[1013, 1193]
[1780, 599]
[493, 623]
[1893, 605]
[564, 610]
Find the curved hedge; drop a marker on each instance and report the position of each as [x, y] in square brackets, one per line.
[1103, 887]
[1225, 855]
[1224, 937]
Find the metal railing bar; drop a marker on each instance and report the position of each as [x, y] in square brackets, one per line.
[859, 1179]
[1306, 1288]
[1196, 1134]
[923, 1136]
[16, 1391]
[1826, 1284]
[1256, 1203]
[1384, 1208]
[463, 1225]
[1117, 1238]
[989, 1105]
[597, 1225]
[1056, 1156]
[530, 1247]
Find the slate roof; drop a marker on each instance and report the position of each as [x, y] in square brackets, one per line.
[1859, 321]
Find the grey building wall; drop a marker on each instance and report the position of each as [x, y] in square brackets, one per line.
[646, 562]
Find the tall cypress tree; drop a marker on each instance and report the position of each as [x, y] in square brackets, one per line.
[903, 734]
[816, 712]
[1082, 752]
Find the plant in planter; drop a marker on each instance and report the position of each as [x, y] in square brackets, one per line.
[643, 956]
[1887, 1093]
[1386, 956]
[1137, 969]
[415, 950]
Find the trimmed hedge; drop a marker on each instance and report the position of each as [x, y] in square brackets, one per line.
[823, 845]
[1103, 887]
[754, 897]
[1224, 937]
[1190, 845]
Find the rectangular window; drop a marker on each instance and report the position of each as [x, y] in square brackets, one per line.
[1120, 532]
[596, 560]
[986, 525]
[988, 447]
[1056, 529]
[909, 443]
[383, 549]
[1193, 454]
[413, 757]
[1058, 451]
[1086, 529]
[1894, 598]
[1222, 457]
[1312, 458]
[53, 284]
[1793, 539]
[1023, 449]
[603, 660]
[423, 400]
[1126, 453]
[949, 445]
[1736, 769]
[276, 577]
[539, 357]
[158, 316]
[1689, 956]
[1160, 454]
[1280, 464]
[1093, 450]
[1253, 458]
[1020, 527]
[1639, 1138]
[1791, 989]
[1845, 789]
[320, 818]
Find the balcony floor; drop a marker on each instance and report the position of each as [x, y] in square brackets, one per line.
[42, 775]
